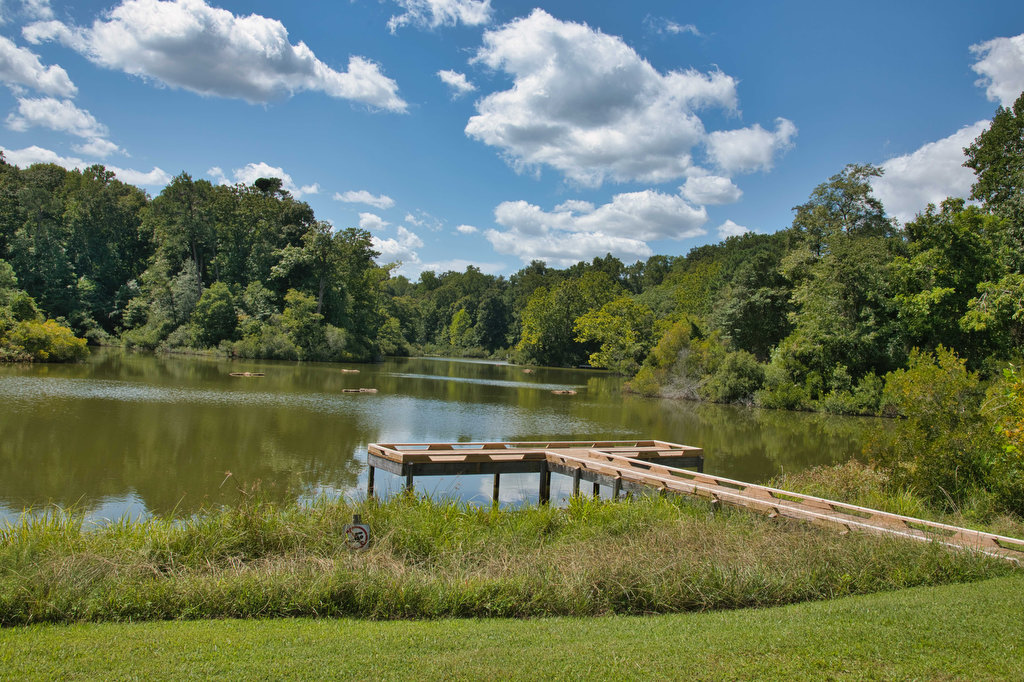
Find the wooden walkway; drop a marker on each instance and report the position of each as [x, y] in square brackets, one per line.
[636, 466]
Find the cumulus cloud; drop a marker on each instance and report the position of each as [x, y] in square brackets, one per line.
[97, 147]
[402, 248]
[586, 104]
[21, 67]
[622, 227]
[1001, 67]
[188, 44]
[466, 229]
[251, 172]
[35, 154]
[372, 221]
[731, 229]
[928, 175]
[381, 201]
[750, 149]
[435, 13]
[710, 189]
[457, 82]
[60, 115]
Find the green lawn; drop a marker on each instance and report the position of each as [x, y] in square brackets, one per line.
[970, 631]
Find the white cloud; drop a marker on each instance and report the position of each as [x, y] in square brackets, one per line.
[423, 219]
[251, 172]
[673, 27]
[37, 9]
[457, 82]
[435, 13]
[731, 229]
[188, 44]
[371, 221]
[621, 227]
[460, 265]
[97, 147]
[55, 114]
[749, 149]
[466, 229]
[401, 249]
[381, 201]
[586, 104]
[1001, 67]
[928, 175]
[710, 189]
[34, 154]
[154, 178]
[20, 66]
[575, 206]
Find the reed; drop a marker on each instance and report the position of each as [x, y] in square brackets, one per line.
[440, 559]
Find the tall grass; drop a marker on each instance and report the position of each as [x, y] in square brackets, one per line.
[432, 559]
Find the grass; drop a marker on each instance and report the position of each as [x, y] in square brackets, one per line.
[435, 559]
[864, 486]
[957, 632]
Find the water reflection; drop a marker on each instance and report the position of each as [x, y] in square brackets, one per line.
[135, 433]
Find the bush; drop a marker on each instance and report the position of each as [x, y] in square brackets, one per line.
[736, 380]
[43, 342]
[945, 447]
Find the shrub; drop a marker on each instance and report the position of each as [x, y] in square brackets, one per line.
[945, 446]
[736, 380]
[44, 342]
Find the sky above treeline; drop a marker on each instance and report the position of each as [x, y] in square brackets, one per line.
[494, 133]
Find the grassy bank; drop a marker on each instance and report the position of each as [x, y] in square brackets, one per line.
[957, 632]
[440, 560]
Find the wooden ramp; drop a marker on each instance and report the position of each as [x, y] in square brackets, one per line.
[666, 467]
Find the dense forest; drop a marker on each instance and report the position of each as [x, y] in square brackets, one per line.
[844, 311]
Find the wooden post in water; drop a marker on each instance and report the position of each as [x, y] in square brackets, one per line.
[576, 482]
[494, 490]
[544, 490]
[408, 479]
[617, 488]
[597, 489]
[369, 482]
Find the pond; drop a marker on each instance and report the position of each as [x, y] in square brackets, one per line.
[136, 434]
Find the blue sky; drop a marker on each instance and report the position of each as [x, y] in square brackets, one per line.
[492, 133]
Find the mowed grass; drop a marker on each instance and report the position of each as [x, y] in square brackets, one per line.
[434, 559]
[957, 632]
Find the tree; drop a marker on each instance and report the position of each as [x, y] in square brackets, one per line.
[624, 331]
[547, 333]
[949, 253]
[214, 315]
[997, 158]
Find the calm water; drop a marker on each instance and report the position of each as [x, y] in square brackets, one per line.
[136, 434]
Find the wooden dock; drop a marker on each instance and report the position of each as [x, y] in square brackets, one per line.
[645, 465]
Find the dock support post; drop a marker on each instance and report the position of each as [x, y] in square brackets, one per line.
[597, 489]
[369, 482]
[544, 491]
[616, 488]
[576, 483]
[408, 479]
[700, 465]
[494, 489]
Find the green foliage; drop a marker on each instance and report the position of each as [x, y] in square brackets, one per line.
[214, 316]
[624, 330]
[738, 377]
[304, 325]
[945, 447]
[550, 315]
[42, 341]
